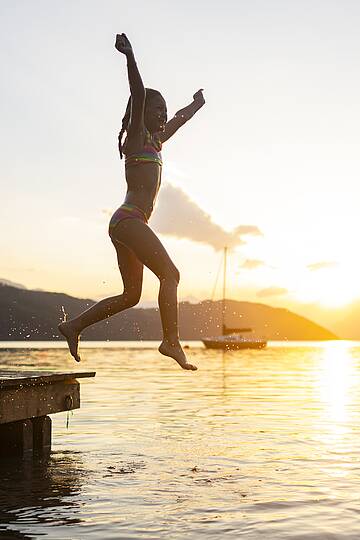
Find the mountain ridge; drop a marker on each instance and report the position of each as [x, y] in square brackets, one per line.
[34, 315]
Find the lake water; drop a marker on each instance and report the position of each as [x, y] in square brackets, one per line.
[255, 444]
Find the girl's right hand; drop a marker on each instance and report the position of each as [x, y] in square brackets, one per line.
[122, 44]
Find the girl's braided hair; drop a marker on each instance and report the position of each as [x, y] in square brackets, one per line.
[149, 94]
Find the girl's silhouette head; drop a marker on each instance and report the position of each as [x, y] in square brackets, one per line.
[155, 114]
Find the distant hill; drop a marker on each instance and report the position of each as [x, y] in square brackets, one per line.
[12, 283]
[34, 315]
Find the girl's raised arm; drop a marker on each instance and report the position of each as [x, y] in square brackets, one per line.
[182, 116]
[137, 89]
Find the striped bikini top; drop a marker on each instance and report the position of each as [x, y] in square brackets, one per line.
[149, 154]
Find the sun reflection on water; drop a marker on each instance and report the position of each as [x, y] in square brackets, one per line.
[336, 379]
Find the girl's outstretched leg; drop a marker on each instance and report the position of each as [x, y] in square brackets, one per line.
[168, 304]
[149, 250]
[131, 270]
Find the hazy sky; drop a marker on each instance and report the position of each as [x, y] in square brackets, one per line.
[276, 146]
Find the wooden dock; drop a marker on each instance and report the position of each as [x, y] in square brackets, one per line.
[26, 400]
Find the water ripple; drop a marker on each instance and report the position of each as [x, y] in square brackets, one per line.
[263, 444]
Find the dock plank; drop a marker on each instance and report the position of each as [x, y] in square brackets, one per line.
[30, 401]
[26, 399]
[31, 378]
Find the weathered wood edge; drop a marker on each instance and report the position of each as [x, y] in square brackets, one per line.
[44, 378]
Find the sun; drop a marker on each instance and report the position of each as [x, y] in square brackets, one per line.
[331, 287]
[337, 300]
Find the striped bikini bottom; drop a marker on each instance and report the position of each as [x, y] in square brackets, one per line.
[126, 211]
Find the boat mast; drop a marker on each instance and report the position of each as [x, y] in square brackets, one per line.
[224, 294]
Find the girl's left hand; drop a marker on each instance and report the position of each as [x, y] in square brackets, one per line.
[198, 97]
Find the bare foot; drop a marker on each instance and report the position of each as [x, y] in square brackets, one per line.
[72, 338]
[174, 350]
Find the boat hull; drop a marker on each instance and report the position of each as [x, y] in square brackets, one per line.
[233, 345]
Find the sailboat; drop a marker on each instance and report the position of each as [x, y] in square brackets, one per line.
[233, 338]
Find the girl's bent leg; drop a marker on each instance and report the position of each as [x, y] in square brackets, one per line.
[131, 270]
[140, 239]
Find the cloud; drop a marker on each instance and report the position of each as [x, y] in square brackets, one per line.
[271, 291]
[177, 215]
[251, 264]
[320, 265]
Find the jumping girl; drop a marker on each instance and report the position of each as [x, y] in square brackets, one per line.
[146, 127]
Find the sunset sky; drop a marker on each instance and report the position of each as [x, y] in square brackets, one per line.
[269, 166]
